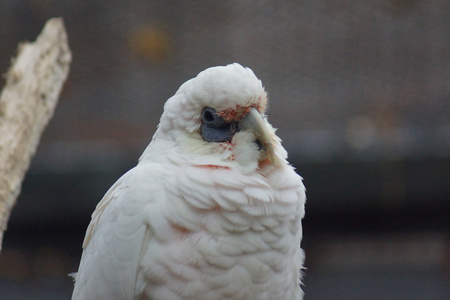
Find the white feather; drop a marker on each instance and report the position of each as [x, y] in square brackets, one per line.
[197, 219]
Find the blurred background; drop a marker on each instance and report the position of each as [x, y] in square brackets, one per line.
[360, 93]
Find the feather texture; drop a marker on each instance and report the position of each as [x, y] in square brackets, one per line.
[200, 220]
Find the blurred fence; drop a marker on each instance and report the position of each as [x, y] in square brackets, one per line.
[359, 91]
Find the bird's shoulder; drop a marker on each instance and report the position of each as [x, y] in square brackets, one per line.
[129, 197]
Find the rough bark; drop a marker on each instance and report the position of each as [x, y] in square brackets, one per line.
[27, 103]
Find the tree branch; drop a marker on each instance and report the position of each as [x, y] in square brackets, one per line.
[27, 103]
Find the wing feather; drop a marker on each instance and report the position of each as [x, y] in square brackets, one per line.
[117, 238]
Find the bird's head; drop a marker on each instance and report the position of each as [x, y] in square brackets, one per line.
[218, 119]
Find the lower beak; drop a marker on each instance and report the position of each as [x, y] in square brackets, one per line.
[253, 121]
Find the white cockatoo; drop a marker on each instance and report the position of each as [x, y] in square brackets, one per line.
[212, 210]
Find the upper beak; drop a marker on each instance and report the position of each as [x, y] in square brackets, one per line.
[254, 122]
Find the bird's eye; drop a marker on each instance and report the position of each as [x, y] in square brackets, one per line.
[215, 129]
[211, 119]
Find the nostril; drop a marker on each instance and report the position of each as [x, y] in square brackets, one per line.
[260, 146]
